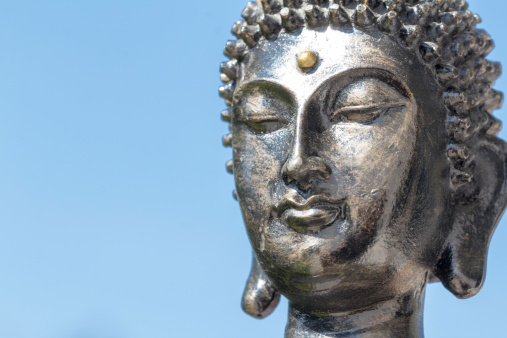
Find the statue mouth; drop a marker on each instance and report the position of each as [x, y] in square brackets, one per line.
[314, 215]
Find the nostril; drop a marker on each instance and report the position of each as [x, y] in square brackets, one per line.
[302, 173]
[286, 178]
[291, 169]
[304, 191]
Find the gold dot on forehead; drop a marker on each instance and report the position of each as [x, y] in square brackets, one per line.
[307, 60]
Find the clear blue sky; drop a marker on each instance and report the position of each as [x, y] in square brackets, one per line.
[116, 213]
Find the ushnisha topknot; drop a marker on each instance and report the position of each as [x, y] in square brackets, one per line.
[442, 32]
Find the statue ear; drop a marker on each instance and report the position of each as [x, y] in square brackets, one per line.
[479, 207]
[260, 297]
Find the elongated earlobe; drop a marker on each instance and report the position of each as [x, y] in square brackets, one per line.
[480, 204]
[260, 297]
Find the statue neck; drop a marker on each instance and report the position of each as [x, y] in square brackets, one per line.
[399, 317]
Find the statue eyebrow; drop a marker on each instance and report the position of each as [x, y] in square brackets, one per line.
[394, 83]
[270, 88]
[356, 75]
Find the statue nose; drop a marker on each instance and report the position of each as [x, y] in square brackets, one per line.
[305, 171]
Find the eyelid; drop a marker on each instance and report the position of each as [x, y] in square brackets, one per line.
[264, 125]
[368, 108]
[260, 117]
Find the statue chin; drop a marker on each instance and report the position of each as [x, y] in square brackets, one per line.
[361, 171]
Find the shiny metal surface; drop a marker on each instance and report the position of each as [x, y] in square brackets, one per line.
[370, 174]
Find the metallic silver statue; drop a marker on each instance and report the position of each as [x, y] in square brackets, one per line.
[365, 158]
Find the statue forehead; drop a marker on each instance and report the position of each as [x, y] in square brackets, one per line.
[338, 51]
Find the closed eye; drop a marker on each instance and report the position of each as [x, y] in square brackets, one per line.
[264, 125]
[366, 114]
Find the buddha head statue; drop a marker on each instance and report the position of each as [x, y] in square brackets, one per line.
[365, 158]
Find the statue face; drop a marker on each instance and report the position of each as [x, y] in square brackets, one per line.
[329, 164]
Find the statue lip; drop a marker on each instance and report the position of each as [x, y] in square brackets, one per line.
[315, 214]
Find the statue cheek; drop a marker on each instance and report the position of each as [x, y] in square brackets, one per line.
[364, 217]
[361, 159]
[257, 175]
